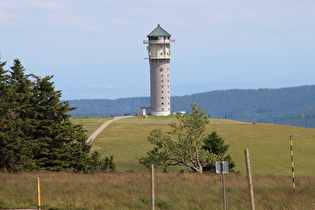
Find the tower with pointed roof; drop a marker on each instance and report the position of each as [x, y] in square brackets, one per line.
[159, 55]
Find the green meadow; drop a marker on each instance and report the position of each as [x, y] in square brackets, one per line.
[268, 144]
[90, 123]
[129, 186]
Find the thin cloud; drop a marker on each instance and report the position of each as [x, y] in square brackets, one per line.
[51, 5]
[104, 86]
[73, 21]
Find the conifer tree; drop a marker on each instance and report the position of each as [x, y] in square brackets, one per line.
[35, 130]
[216, 146]
[61, 144]
[14, 123]
[5, 150]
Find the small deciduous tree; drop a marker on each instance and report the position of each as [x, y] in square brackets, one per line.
[184, 145]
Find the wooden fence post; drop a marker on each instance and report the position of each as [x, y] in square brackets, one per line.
[152, 187]
[38, 193]
[250, 181]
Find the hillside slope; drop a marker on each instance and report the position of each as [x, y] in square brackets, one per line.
[269, 144]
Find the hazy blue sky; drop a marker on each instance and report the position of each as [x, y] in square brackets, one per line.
[95, 48]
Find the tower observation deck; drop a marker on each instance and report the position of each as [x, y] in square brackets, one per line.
[159, 55]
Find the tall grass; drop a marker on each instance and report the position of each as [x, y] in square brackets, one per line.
[173, 191]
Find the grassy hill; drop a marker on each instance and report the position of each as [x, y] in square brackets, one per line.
[268, 144]
[129, 187]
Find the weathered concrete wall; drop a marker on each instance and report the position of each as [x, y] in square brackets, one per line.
[160, 86]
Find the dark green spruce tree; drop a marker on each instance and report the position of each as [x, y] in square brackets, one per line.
[6, 144]
[215, 145]
[61, 144]
[35, 130]
[16, 145]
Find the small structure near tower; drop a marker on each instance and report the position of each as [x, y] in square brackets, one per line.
[159, 55]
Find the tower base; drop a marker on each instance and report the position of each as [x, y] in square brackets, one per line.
[162, 113]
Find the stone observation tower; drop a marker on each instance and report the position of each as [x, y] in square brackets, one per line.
[159, 51]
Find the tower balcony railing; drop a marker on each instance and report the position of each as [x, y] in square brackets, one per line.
[166, 41]
[159, 58]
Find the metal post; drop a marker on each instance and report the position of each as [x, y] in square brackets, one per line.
[38, 193]
[292, 162]
[250, 181]
[223, 187]
[152, 187]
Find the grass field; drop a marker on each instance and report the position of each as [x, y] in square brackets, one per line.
[268, 144]
[129, 187]
[90, 123]
[173, 191]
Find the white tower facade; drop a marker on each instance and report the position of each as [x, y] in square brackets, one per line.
[159, 51]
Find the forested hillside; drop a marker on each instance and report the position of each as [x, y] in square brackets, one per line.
[290, 106]
[306, 119]
[106, 107]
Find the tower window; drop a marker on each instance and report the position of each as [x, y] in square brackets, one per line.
[162, 91]
[162, 97]
[162, 103]
[161, 69]
[161, 80]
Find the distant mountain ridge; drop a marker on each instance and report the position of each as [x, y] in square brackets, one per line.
[290, 106]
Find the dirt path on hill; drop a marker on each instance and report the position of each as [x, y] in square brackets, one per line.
[102, 127]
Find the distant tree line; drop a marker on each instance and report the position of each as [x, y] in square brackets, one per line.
[35, 130]
[305, 119]
[282, 105]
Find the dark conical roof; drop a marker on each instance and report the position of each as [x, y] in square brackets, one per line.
[159, 32]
